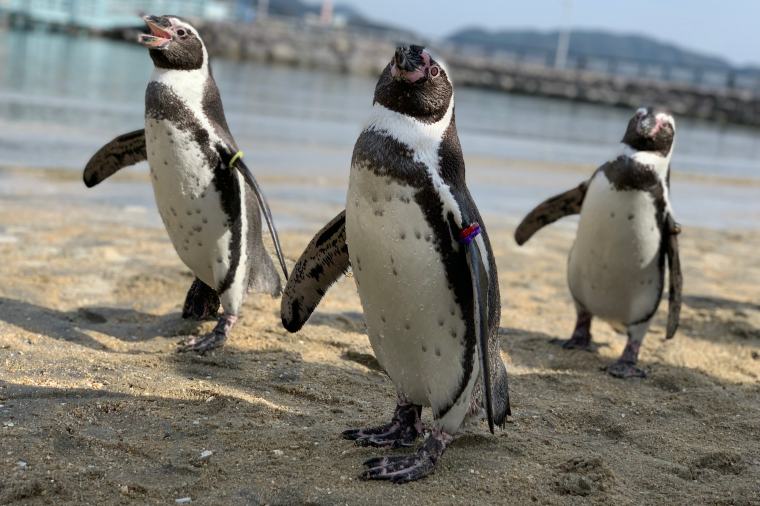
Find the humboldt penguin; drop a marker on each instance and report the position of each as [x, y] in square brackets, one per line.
[626, 234]
[423, 265]
[208, 199]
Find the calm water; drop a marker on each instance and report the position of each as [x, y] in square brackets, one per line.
[62, 97]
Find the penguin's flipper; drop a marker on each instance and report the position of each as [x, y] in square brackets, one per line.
[550, 211]
[123, 151]
[323, 261]
[479, 277]
[672, 229]
[243, 168]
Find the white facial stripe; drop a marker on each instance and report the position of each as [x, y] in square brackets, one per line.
[666, 118]
[641, 111]
[424, 139]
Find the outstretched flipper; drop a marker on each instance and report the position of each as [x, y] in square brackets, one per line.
[550, 211]
[676, 278]
[123, 151]
[323, 261]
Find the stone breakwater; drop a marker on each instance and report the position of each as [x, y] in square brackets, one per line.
[367, 52]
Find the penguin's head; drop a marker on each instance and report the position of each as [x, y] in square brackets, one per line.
[173, 43]
[414, 84]
[651, 129]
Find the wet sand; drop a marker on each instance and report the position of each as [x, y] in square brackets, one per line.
[96, 406]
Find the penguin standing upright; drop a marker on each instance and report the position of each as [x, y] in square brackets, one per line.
[616, 268]
[423, 267]
[207, 198]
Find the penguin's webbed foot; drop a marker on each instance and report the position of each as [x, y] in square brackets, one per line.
[578, 341]
[212, 340]
[402, 431]
[201, 302]
[625, 369]
[406, 468]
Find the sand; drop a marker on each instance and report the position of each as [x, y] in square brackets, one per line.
[96, 407]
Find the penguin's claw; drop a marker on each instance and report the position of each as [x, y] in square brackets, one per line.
[401, 432]
[212, 340]
[406, 468]
[398, 469]
[625, 370]
[391, 435]
[202, 344]
[577, 342]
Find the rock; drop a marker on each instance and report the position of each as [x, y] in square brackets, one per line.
[183, 500]
[205, 454]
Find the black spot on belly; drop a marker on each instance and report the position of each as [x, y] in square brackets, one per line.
[316, 271]
[382, 318]
[402, 235]
[437, 351]
[424, 348]
[417, 234]
[454, 333]
[630, 217]
[189, 212]
[440, 322]
[395, 272]
[407, 326]
[200, 244]
[379, 212]
[197, 228]
[205, 221]
[219, 259]
[612, 215]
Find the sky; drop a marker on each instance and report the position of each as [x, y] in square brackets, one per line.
[725, 28]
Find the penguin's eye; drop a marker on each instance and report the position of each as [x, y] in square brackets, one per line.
[434, 71]
[181, 32]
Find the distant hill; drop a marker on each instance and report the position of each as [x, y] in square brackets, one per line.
[587, 43]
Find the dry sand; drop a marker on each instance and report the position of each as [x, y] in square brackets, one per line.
[96, 407]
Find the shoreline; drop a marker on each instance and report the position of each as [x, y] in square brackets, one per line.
[504, 189]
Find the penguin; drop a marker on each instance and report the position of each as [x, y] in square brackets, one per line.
[208, 200]
[423, 266]
[626, 233]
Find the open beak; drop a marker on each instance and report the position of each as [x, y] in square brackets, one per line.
[159, 37]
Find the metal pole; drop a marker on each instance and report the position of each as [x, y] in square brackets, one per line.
[563, 41]
[262, 12]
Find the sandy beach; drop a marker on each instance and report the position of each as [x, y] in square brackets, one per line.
[97, 407]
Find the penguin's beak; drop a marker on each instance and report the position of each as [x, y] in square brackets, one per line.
[410, 63]
[160, 35]
[650, 124]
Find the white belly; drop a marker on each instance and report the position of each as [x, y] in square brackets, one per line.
[414, 325]
[614, 264]
[188, 202]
